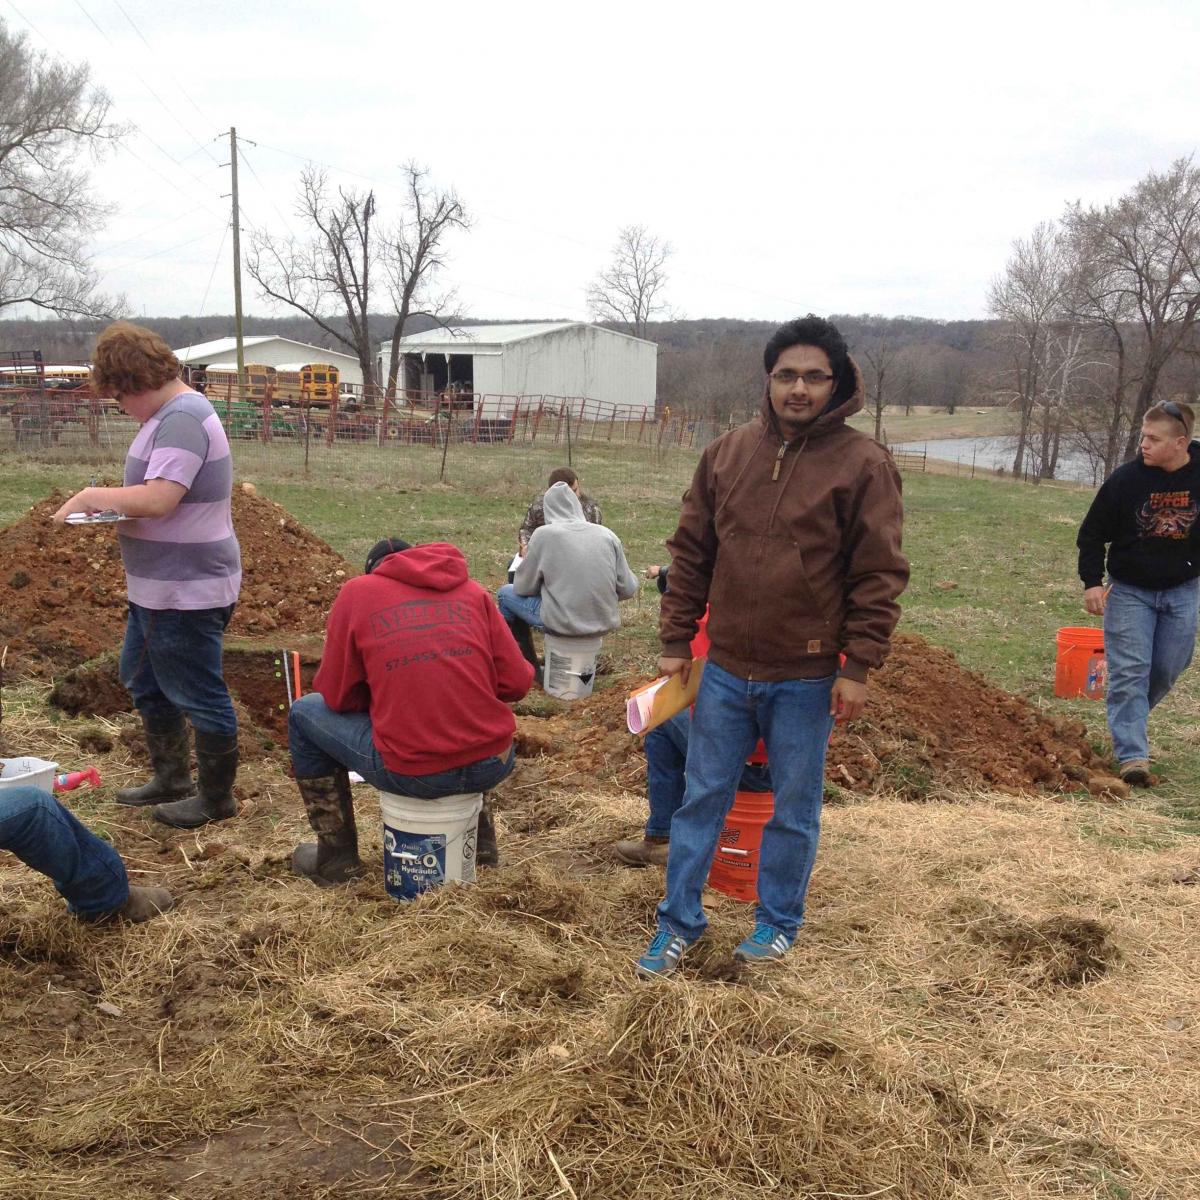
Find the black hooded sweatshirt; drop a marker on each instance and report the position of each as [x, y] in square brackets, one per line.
[1147, 518]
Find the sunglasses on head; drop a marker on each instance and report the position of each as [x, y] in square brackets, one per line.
[1173, 410]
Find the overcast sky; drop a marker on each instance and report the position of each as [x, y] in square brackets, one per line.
[862, 158]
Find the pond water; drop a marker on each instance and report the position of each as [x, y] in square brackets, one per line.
[991, 453]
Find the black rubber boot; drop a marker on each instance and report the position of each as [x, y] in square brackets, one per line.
[333, 857]
[486, 852]
[167, 741]
[523, 636]
[216, 769]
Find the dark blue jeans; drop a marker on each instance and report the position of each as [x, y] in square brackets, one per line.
[792, 717]
[520, 608]
[322, 740]
[666, 757]
[86, 870]
[171, 662]
[1148, 641]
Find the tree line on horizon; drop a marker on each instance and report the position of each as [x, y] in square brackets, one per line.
[1092, 319]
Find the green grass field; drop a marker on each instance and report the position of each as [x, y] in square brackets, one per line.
[993, 562]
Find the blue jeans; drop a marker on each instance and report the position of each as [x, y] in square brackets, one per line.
[519, 608]
[792, 717]
[666, 756]
[1148, 642]
[322, 740]
[86, 870]
[171, 662]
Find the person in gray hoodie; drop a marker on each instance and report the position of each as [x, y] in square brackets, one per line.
[571, 577]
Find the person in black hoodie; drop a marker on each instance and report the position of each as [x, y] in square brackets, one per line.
[1146, 515]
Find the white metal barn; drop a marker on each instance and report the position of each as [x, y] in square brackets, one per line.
[270, 351]
[568, 359]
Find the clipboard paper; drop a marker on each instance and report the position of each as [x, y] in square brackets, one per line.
[651, 705]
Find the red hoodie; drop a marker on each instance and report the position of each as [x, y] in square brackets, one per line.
[424, 650]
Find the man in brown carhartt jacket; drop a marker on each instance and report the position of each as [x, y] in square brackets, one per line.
[791, 531]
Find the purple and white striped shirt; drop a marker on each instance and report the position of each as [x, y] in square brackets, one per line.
[190, 558]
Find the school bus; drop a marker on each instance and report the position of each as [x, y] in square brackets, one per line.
[306, 383]
[222, 381]
[58, 378]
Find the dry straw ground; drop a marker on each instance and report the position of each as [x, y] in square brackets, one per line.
[984, 1003]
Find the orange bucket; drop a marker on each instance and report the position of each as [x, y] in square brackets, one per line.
[735, 865]
[1079, 668]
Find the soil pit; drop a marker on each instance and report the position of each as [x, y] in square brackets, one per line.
[930, 725]
[64, 587]
[254, 675]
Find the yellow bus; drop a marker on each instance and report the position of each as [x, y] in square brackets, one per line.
[222, 381]
[58, 378]
[311, 383]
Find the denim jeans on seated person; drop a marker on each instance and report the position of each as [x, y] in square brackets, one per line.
[731, 714]
[171, 661]
[48, 837]
[322, 740]
[519, 608]
[666, 756]
[1149, 637]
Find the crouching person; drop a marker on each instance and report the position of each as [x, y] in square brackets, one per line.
[88, 873]
[412, 693]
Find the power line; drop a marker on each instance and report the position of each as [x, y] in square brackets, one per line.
[158, 253]
[145, 233]
[270, 198]
[161, 102]
[208, 120]
[212, 274]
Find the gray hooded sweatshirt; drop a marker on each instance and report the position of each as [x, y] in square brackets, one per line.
[580, 569]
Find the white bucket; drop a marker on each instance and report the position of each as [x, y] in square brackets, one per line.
[570, 665]
[28, 772]
[427, 842]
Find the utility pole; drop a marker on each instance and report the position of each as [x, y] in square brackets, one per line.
[237, 269]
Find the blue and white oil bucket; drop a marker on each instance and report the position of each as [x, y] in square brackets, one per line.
[428, 842]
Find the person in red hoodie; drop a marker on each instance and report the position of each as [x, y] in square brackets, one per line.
[412, 693]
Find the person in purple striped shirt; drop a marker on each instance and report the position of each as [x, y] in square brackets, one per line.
[183, 569]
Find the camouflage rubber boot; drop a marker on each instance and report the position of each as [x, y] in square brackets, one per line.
[486, 852]
[333, 857]
[216, 769]
[167, 741]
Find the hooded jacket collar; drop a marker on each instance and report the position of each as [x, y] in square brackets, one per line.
[561, 504]
[438, 566]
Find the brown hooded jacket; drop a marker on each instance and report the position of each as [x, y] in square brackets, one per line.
[796, 546]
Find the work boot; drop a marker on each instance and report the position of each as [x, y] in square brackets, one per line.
[216, 768]
[333, 857]
[643, 852]
[167, 741]
[145, 903]
[523, 636]
[486, 852]
[1136, 772]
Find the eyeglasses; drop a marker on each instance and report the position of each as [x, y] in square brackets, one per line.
[812, 379]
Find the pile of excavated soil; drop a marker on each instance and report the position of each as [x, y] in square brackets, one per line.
[64, 587]
[930, 724]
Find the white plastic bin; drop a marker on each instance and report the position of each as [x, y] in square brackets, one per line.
[28, 772]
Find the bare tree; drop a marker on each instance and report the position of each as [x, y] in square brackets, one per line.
[328, 276]
[1139, 273]
[629, 292]
[877, 359]
[50, 116]
[1029, 298]
[412, 256]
